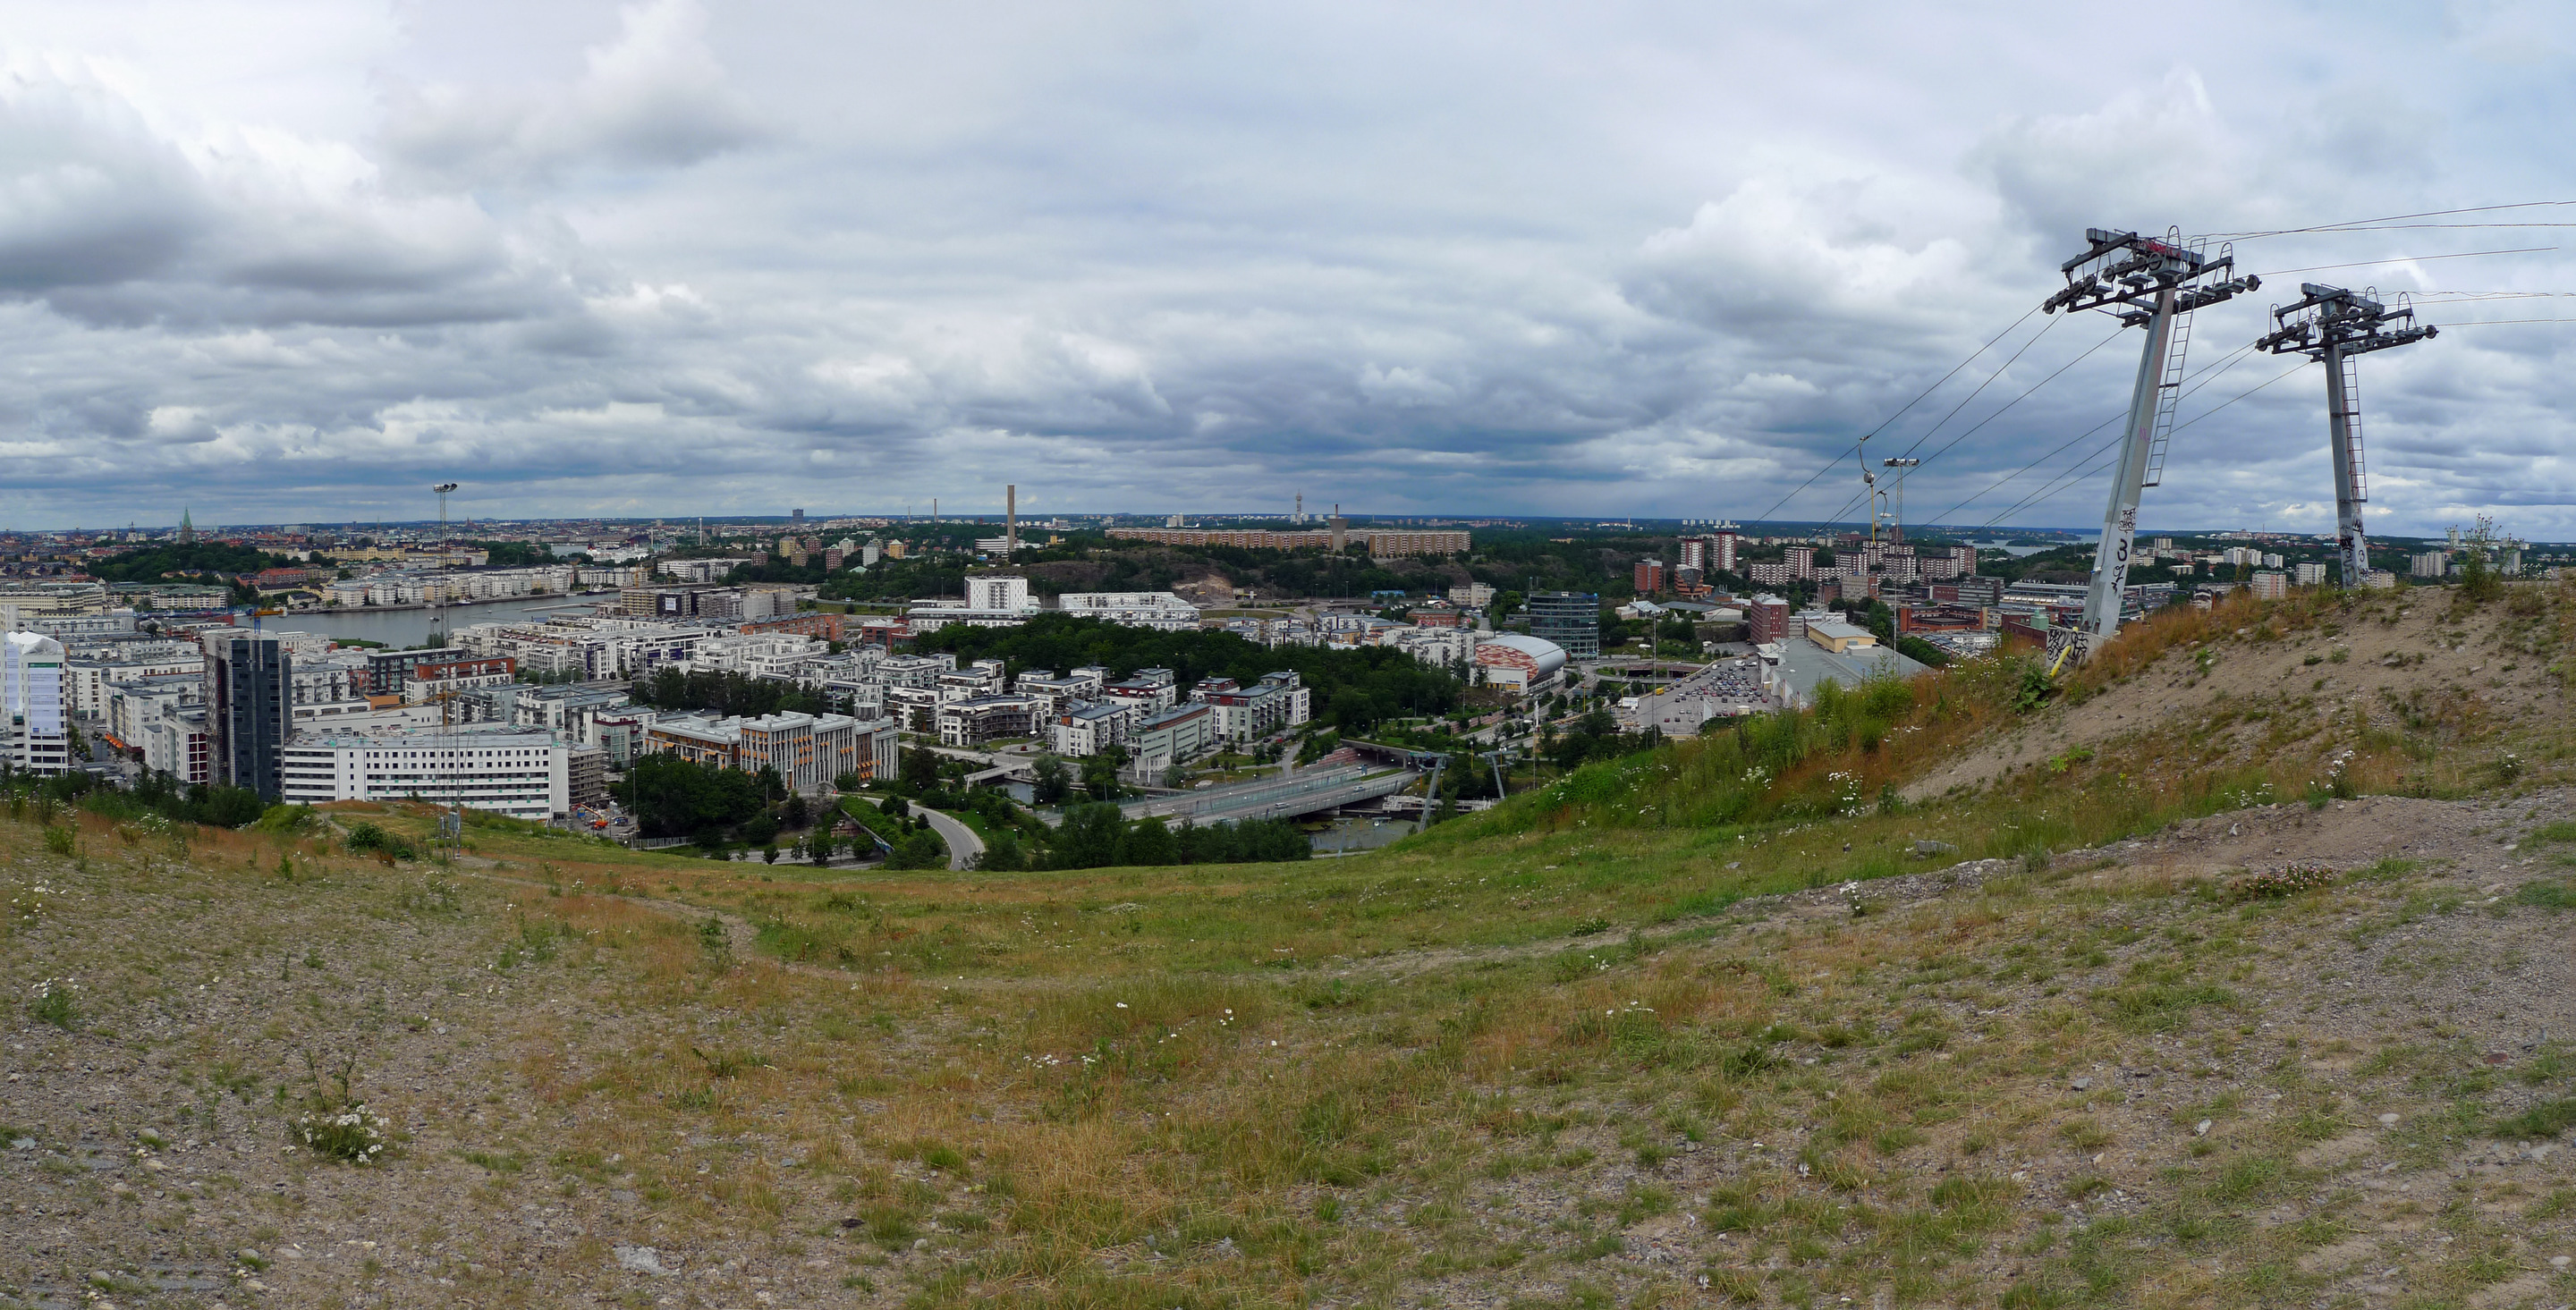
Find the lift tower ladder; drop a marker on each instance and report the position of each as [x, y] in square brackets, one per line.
[2168, 398]
[2151, 283]
[2337, 327]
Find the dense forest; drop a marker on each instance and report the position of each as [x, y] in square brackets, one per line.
[1350, 688]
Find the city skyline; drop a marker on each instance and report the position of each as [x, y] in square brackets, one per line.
[660, 259]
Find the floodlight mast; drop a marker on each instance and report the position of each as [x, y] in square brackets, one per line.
[2337, 327]
[1895, 496]
[442, 489]
[2155, 284]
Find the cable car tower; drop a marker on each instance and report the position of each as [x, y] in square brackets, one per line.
[2155, 284]
[2337, 327]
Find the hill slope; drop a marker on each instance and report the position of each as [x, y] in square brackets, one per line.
[2313, 1052]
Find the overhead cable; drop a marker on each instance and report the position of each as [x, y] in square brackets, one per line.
[2390, 218]
[1900, 412]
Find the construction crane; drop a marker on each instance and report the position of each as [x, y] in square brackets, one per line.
[2154, 284]
[2336, 327]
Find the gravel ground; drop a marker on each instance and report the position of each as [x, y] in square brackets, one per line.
[146, 1154]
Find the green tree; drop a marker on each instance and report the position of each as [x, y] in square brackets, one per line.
[1100, 774]
[1149, 842]
[921, 769]
[1090, 837]
[1054, 781]
[919, 850]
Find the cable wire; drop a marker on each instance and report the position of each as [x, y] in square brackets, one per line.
[1900, 413]
[2411, 259]
[1980, 423]
[2390, 218]
[2069, 479]
[2209, 373]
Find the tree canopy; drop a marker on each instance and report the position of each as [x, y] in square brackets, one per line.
[1351, 689]
[149, 563]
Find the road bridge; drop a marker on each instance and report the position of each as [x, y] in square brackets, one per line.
[1275, 798]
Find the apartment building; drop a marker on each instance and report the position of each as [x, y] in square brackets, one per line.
[1244, 713]
[502, 770]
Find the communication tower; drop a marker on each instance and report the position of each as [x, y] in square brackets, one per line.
[2155, 284]
[2337, 327]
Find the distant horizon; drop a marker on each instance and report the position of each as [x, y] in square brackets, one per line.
[1770, 527]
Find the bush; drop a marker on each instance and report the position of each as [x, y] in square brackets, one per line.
[52, 1003]
[335, 1123]
[365, 838]
[919, 850]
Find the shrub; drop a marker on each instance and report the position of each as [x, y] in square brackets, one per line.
[336, 1124]
[58, 840]
[52, 1003]
[367, 838]
[2285, 883]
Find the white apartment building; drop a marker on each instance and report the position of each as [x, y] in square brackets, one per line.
[1160, 610]
[976, 720]
[2310, 574]
[31, 698]
[88, 683]
[1086, 729]
[809, 751]
[990, 602]
[503, 770]
[177, 743]
[1171, 737]
[1243, 713]
[1473, 595]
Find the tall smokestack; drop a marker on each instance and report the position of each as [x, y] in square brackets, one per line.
[1010, 519]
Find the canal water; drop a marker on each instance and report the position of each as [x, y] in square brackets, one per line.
[1361, 834]
[404, 629]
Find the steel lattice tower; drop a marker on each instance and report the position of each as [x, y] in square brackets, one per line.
[2337, 327]
[2154, 284]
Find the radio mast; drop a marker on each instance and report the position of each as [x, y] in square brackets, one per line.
[2337, 327]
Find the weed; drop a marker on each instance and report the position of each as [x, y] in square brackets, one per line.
[2551, 896]
[53, 1003]
[728, 1064]
[2547, 1119]
[336, 1124]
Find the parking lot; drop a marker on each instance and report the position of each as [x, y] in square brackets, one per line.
[1719, 690]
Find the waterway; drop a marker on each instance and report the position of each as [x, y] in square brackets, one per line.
[405, 628]
[2014, 551]
[1361, 834]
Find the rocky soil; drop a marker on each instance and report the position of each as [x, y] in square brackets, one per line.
[2367, 1041]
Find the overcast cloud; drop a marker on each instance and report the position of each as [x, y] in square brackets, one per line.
[286, 260]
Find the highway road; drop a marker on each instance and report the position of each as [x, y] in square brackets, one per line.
[963, 844]
[1275, 798]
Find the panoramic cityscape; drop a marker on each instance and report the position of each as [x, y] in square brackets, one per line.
[665, 656]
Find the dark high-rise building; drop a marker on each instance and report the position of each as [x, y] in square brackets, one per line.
[249, 705]
[1571, 619]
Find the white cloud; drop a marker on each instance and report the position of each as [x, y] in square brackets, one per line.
[653, 97]
[677, 259]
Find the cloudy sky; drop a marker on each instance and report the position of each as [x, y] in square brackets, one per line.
[295, 260]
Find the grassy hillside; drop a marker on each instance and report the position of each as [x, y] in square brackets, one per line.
[2144, 1037]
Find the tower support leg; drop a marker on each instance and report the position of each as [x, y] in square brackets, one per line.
[2120, 516]
[2351, 547]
